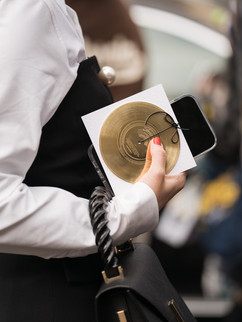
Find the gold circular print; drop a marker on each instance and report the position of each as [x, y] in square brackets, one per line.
[126, 133]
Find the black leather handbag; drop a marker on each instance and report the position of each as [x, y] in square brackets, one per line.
[135, 287]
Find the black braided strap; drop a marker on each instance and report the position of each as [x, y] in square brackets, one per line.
[97, 209]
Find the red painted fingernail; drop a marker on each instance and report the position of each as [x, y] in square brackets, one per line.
[157, 141]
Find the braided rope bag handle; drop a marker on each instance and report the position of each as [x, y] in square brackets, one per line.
[97, 208]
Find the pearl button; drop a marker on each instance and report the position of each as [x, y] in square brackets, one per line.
[107, 75]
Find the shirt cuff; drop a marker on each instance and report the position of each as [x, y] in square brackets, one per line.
[133, 213]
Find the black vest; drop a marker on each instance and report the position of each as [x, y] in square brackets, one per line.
[59, 290]
[62, 159]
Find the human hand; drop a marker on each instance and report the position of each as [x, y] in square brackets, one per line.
[153, 174]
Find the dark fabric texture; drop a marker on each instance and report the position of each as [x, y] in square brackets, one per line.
[62, 159]
[59, 290]
[36, 290]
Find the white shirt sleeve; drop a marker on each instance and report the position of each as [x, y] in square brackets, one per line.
[41, 48]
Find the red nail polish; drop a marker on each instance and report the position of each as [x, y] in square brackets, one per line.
[157, 141]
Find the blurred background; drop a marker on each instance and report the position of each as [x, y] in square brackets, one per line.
[194, 47]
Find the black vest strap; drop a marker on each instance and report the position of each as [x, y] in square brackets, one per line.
[62, 159]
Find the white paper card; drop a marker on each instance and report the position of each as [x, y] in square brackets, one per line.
[155, 95]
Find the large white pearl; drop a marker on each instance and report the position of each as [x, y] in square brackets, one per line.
[107, 75]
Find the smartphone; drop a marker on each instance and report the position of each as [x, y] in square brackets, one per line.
[194, 124]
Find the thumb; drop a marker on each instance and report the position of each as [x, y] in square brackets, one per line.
[158, 155]
[147, 165]
[155, 157]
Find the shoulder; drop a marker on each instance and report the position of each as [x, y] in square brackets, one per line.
[23, 20]
[40, 35]
[31, 16]
[22, 8]
[32, 27]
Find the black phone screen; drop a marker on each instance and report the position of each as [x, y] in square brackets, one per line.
[195, 127]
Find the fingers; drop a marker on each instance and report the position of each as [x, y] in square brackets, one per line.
[176, 182]
[164, 186]
[180, 180]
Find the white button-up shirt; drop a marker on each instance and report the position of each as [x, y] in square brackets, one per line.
[41, 46]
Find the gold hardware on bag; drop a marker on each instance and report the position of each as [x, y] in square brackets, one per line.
[175, 310]
[113, 278]
[122, 316]
[126, 247]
